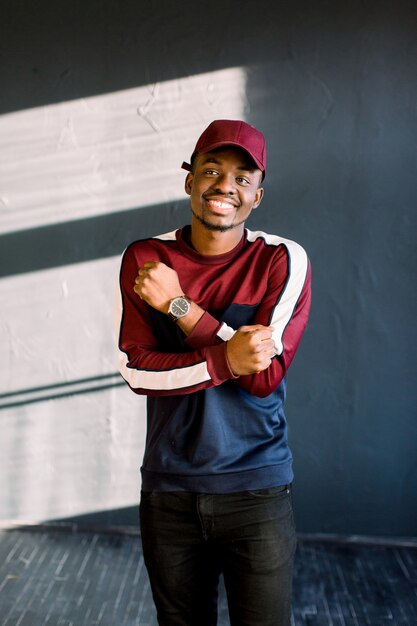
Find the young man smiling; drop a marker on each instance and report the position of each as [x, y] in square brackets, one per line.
[209, 319]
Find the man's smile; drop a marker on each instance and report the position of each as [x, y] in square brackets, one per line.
[220, 206]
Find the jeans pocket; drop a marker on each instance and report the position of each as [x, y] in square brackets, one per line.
[270, 492]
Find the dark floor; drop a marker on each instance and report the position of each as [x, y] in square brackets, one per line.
[62, 578]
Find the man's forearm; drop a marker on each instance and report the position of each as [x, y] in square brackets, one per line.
[190, 321]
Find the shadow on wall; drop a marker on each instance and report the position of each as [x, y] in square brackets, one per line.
[115, 519]
[60, 54]
[87, 239]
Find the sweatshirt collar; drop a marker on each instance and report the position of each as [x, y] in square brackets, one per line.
[183, 236]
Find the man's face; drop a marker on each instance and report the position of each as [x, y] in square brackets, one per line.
[224, 188]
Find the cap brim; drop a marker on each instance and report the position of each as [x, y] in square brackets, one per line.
[220, 144]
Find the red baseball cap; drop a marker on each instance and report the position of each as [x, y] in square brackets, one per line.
[232, 133]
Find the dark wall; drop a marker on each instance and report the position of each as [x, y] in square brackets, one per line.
[333, 87]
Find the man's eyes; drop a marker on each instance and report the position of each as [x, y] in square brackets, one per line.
[242, 180]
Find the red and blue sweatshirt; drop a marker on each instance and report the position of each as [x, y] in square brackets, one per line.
[209, 431]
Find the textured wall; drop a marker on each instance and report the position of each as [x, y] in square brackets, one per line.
[99, 105]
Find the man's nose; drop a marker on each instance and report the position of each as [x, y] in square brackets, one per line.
[225, 183]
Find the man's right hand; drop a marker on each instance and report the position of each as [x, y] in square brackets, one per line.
[250, 350]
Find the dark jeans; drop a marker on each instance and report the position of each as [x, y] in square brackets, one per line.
[189, 539]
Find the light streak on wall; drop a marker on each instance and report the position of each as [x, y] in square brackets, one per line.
[72, 437]
[109, 152]
[56, 325]
[68, 457]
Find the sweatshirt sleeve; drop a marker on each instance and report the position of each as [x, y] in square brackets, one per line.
[285, 306]
[147, 369]
[287, 310]
[205, 333]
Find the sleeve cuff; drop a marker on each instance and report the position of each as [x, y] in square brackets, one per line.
[218, 364]
[204, 333]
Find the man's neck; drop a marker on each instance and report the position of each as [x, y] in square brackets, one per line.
[211, 242]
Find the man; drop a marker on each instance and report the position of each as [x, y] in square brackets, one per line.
[210, 318]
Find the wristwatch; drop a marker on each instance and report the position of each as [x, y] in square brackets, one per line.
[179, 307]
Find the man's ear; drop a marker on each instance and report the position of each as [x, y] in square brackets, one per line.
[188, 183]
[258, 197]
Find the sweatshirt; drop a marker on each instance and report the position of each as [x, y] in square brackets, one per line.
[209, 431]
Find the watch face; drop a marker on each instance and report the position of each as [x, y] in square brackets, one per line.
[179, 307]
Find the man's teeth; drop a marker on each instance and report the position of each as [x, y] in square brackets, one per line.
[221, 205]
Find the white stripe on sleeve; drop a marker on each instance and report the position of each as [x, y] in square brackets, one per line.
[298, 267]
[165, 380]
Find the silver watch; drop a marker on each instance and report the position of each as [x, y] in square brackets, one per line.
[179, 307]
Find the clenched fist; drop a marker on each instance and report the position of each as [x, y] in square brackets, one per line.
[251, 349]
[157, 284]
